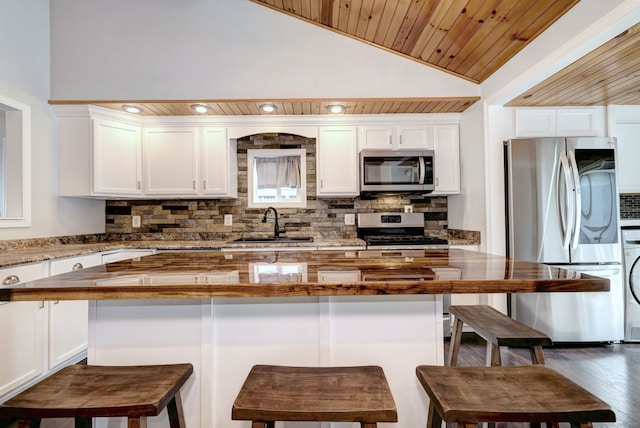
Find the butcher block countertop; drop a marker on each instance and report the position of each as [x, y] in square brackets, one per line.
[304, 273]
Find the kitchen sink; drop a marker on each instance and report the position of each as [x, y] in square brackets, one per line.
[284, 239]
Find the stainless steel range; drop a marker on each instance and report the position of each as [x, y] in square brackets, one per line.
[396, 231]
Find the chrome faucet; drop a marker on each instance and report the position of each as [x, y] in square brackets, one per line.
[276, 227]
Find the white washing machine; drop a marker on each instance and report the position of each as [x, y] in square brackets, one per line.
[631, 247]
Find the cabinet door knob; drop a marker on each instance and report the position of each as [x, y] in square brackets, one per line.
[204, 184]
[10, 280]
[77, 266]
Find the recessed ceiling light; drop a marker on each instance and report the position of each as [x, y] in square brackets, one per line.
[336, 108]
[200, 108]
[268, 108]
[131, 109]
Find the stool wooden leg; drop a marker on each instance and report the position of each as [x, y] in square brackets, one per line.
[454, 345]
[434, 420]
[137, 422]
[83, 422]
[368, 425]
[537, 357]
[263, 424]
[493, 355]
[176, 415]
[581, 425]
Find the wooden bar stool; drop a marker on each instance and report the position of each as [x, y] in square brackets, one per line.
[83, 392]
[498, 330]
[315, 394]
[535, 394]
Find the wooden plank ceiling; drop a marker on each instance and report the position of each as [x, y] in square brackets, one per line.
[291, 106]
[608, 75]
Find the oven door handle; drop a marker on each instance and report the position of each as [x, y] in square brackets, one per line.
[421, 170]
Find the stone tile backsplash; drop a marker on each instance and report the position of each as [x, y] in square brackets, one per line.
[630, 206]
[322, 217]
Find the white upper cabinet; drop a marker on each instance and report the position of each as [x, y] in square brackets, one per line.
[560, 122]
[337, 161]
[409, 137]
[218, 164]
[446, 159]
[99, 157]
[116, 158]
[170, 161]
[106, 154]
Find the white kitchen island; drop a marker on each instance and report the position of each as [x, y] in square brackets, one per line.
[224, 338]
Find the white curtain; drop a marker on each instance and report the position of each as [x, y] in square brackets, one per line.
[276, 172]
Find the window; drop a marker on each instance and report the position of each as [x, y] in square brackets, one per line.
[277, 178]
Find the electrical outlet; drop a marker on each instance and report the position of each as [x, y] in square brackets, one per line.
[135, 221]
[349, 219]
[228, 220]
[408, 208]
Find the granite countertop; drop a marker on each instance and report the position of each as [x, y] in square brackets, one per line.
[36, 250]
[216, 274]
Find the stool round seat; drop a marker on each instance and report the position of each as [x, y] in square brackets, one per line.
[318, 394]
[535, 393]
[85, 391]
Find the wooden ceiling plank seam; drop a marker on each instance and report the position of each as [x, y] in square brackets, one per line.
[483, 22]
[297, 108]
[440, 29]
[465, 17]
[373, 20]
[305, 9]
[457, 20]
[599, 58]
[396, 22]
[512, 42]
[408, 21]
[343, 15]
[287, 5]
[385, 22]
[364, 16]
[464, 28]
[335, 14]
[503, 30]
[589, 74]
[355, 9]
[326, 15]
[420, 26]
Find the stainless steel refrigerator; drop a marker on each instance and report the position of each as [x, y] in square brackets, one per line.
[563, 211]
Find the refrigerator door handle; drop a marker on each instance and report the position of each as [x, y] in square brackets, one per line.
[566, 219]
[577, 198]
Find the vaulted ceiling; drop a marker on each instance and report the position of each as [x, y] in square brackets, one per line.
[467, 38]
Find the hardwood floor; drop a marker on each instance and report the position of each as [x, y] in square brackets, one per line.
[611, 372]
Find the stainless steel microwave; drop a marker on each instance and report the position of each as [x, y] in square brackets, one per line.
[386, 171]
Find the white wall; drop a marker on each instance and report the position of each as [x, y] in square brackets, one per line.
[222, 49]
[467, 210]
[24, 77]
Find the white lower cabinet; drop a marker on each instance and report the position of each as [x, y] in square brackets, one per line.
[22, 332]
[68, 320]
